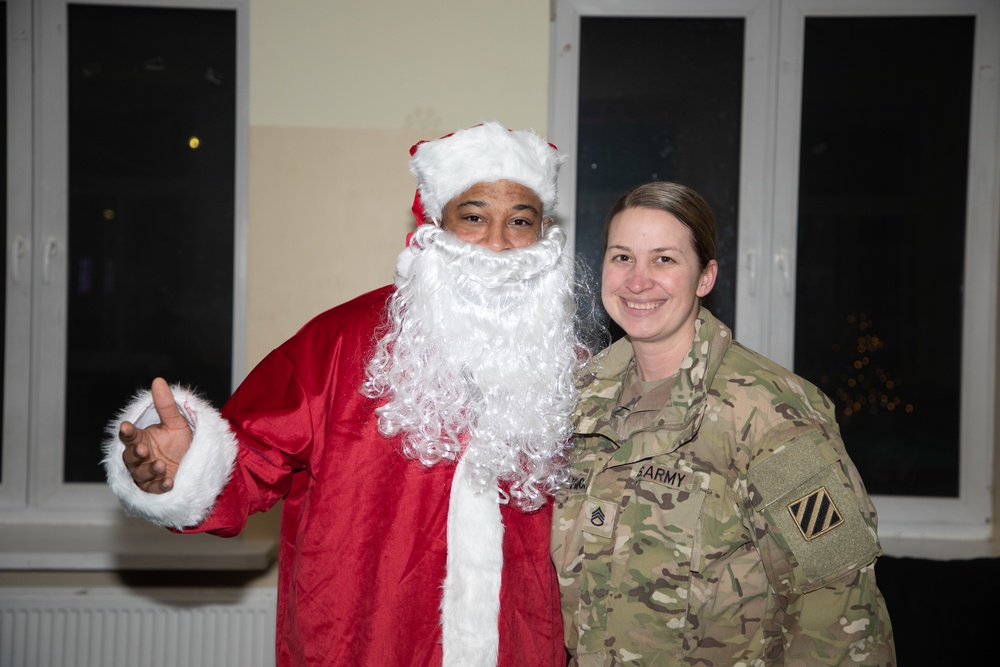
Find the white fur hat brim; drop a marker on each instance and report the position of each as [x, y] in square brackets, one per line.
[447, 167]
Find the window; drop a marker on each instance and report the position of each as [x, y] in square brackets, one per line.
[880, 238]
[853, 173]
[125, 227]
[687, 127]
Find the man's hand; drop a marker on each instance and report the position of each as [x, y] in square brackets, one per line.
[153, 454]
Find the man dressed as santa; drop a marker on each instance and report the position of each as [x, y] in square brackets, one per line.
[413, 433]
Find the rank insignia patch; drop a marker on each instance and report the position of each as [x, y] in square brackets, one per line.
[815, 513]
[597, 517]
[600, 515]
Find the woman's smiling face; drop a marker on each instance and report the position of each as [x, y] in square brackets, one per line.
[651, 281]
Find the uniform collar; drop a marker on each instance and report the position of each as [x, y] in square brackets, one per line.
[680, 418]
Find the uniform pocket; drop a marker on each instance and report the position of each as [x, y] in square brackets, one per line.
[661, 525]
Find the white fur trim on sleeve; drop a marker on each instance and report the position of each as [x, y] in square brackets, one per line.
[201, 475]
[470, 607]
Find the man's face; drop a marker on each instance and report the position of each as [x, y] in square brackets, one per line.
[499, 216]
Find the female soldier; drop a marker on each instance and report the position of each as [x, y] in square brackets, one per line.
[713, 516]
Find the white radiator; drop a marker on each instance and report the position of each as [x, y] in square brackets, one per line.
[119, 627]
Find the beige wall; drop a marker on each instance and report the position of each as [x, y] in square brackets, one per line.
[339, 91]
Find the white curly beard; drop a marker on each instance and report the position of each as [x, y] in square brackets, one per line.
[480, 348]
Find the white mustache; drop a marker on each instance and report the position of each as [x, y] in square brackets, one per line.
[486, 267]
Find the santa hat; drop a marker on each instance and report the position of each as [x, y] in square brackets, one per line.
[447, 167]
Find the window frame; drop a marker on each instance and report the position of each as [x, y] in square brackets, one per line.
[19, 243]
[34, 491]
[768, 215]
[970, 515]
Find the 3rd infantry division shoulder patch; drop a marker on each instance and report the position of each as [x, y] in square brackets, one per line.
[815, 513]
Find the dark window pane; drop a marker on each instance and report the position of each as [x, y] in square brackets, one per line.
[661, 98]
[151, 211]
[881, 232]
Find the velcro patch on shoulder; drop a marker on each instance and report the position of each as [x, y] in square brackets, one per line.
[802, 493]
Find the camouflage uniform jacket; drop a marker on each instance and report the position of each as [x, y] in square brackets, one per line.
[731, 530]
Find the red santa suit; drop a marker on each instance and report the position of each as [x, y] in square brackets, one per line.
[364, 537]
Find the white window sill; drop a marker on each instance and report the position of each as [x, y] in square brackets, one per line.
[903, 547]
[145, 547]
[116, 547]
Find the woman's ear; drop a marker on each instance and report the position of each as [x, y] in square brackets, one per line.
[707, 280]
